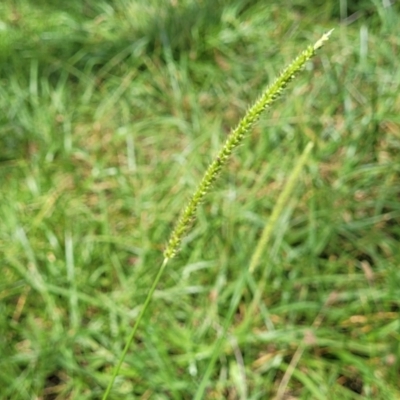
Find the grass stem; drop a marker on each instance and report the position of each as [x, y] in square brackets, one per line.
[234, 139]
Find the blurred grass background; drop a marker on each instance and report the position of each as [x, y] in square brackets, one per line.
[111, 110]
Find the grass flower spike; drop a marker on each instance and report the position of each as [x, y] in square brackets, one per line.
[235, 138]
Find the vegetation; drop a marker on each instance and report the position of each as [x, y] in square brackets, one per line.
[111, 113]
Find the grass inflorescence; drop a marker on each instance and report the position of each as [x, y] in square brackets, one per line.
[235, 138]
[211, 174]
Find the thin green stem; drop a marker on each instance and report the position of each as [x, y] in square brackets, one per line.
[135, 328]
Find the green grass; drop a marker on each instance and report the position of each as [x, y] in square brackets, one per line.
[111, 111]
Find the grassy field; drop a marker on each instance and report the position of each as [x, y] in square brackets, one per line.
[110, 113]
